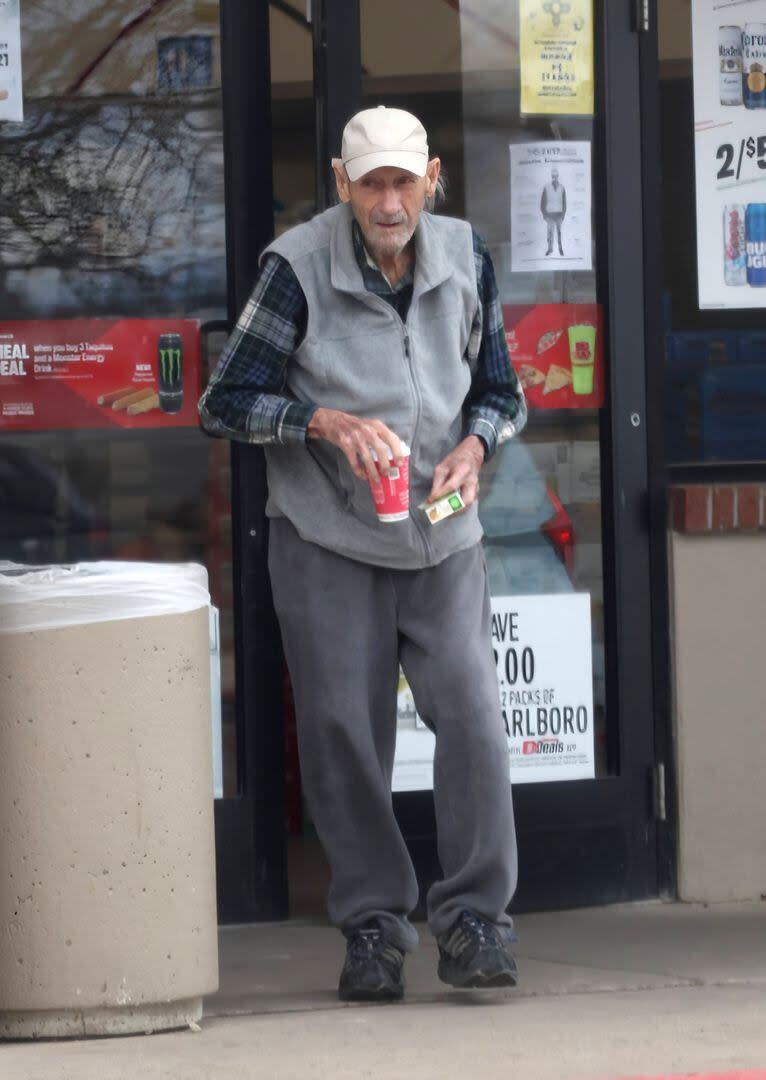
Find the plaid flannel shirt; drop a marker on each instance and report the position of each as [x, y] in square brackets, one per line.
[245, 398]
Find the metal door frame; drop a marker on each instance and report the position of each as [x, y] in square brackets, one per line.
[251, 850]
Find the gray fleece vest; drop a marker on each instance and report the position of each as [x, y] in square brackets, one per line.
[357, 355]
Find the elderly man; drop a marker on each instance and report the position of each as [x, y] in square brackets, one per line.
[374, 324]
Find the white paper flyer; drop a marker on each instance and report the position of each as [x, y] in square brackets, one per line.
[551, 206]
[11, 99]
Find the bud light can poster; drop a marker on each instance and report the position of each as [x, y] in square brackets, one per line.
[729, 62]
[99, 373]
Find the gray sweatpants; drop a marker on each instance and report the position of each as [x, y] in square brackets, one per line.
[346, 627]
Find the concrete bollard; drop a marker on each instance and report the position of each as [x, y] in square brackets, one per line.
[107, 872]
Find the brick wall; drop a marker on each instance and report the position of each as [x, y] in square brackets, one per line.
[718, 508]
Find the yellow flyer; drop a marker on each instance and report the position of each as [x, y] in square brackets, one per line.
[556, 51]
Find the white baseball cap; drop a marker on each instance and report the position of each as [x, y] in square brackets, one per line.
[377, 137]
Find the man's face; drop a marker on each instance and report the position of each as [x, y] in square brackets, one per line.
[555, 176]
[387, 203]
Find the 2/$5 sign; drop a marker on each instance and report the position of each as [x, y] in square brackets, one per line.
[12, 359]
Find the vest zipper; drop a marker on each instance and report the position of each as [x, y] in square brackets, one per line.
[385, 306]
[418, 411]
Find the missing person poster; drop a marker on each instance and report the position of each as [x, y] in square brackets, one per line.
[543, 653]
[729, 61]
[11, 97]
[551, 206]
[99, 373]
[556, 49]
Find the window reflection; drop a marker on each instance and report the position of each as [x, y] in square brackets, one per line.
[112, 206]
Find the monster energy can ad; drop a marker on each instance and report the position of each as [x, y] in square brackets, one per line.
[170, 372]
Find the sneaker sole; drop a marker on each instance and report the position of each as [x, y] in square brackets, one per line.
[384, 994]
[480, 980]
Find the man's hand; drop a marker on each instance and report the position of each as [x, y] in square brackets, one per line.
[460, 471]
[357, 439]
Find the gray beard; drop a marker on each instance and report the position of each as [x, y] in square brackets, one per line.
[390, 246]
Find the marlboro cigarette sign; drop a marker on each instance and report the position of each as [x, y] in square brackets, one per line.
[99, 373]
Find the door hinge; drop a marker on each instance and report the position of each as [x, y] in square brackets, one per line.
[658, 784]
[641, 21]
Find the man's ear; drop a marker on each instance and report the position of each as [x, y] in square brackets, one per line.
[342, 182]
[432, 175]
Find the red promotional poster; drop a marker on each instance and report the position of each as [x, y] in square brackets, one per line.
[99, 373]
[557, 351]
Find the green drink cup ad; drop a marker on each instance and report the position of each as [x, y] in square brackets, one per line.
[582, 355]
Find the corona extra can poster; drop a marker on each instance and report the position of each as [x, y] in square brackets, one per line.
[99, 373]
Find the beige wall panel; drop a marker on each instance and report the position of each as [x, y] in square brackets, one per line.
[291, 46]
[395, 41]
[719, 646]
[675, 29]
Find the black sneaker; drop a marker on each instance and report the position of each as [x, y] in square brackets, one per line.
[472, 954]
[373, 968]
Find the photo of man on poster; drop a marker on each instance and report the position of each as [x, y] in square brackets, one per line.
[553, 206]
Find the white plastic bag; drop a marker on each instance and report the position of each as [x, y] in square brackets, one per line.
[56, 597]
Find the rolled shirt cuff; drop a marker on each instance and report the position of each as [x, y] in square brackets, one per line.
[293, 423]
[484, 430]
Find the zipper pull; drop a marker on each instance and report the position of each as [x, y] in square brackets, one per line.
[407, 344]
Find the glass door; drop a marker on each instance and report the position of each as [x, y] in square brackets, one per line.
[542, 154]
[533, 110]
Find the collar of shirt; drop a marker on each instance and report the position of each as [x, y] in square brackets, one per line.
[374, 279]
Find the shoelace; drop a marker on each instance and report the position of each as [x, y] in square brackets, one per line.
[363, 944]
[471, 929]
[484, 931]
[367, 943]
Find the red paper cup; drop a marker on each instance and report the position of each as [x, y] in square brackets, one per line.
[392, 494]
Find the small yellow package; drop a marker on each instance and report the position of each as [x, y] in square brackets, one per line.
[443, 508]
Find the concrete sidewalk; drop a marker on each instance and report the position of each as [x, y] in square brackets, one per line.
[634, 990]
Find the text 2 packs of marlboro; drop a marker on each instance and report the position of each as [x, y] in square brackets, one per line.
[99, 373]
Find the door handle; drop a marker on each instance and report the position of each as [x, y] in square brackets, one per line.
[641, 21]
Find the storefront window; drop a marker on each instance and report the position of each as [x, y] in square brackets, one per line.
[525, 170]
[715, 343]
[113, 287]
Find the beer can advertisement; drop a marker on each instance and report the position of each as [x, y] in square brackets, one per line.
[99, 373]
[556, 51]
[729, 46]
[11, 94]
[543, 656]
[557, 351]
